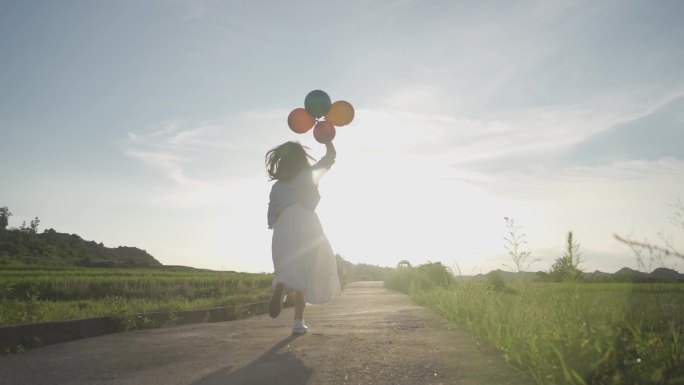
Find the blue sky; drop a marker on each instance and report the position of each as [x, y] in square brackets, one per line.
[146, 123]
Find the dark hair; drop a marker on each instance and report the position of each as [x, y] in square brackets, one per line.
[284, 162]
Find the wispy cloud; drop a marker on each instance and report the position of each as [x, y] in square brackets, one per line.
[657, 134]
[169, 164]
[208, 163]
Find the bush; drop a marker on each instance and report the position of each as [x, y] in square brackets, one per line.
[400, 279]
[495, 282]
[423, 277]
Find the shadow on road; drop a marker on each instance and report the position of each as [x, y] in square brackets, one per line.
[271, 368]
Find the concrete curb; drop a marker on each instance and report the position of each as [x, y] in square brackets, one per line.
[17, 338]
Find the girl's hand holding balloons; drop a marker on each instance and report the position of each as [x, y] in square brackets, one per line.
[316, 106]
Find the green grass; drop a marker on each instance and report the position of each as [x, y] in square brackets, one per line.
[41, 295]
[573, 333]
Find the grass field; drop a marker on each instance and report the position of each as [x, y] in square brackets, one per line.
[41, 295]
[570, 333]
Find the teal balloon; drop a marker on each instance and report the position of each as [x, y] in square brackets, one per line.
[317, 103]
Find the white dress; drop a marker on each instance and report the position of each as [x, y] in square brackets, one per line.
[302, 256]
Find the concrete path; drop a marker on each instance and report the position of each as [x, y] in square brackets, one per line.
[368, 335]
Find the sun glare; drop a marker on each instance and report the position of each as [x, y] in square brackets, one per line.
[379, 216]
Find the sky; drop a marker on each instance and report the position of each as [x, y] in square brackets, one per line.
[145, 123]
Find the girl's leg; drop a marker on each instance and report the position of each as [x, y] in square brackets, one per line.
[299, 305]
[276, 303]
[298, 326]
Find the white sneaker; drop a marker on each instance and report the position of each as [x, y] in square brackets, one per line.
[299, 328]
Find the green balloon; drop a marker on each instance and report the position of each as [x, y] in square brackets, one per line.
[317, 103]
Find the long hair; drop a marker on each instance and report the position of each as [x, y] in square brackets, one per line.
[284, 162]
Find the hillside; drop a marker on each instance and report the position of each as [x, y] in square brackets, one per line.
[51, 248]
[625, 274]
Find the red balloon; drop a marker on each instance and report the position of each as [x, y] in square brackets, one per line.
[324, 132]
[300, 121]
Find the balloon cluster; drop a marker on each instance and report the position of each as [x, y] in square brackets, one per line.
[316, 106]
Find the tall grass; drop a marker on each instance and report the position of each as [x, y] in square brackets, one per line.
[572, 333]
[35, 295]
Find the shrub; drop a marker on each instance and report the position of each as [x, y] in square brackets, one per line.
[495, 282]
[424, 277]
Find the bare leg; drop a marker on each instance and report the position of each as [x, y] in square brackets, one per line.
[299, 305]
[276, 302]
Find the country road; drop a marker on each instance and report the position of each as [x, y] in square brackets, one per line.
[368, 335]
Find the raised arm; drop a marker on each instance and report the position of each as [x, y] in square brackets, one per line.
[330, 149]
[329, 159]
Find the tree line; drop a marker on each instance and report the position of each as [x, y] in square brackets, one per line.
[24, 245]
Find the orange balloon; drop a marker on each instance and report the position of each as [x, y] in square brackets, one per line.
[324, 132]
[341, 113]
[300, 121]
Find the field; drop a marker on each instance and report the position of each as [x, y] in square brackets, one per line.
[558, 333]
[567, 333]
[41, 295]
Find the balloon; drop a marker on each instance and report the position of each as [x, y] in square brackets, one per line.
[300, 121]
[317, 103]
[324, 132]
[341, 113]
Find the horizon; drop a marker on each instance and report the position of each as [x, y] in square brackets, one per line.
[453, 269]
[146, 125]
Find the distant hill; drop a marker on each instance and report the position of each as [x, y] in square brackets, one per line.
[665, 274]
[625, 274]
[507, 276]
[51, 248]
[661, 274]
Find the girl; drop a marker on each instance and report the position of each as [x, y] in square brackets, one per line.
[302, 257]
